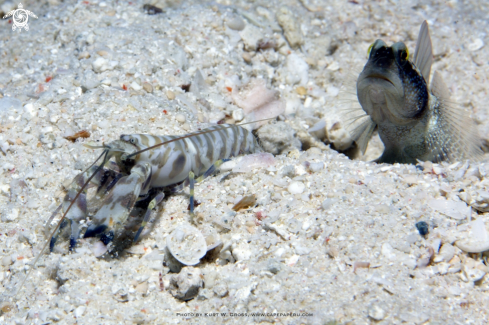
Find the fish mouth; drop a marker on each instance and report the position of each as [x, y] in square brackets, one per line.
[375, 92]
[375, 86]
[379, 76]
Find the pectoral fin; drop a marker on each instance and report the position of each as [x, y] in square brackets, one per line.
[362, 133]
[454, 137]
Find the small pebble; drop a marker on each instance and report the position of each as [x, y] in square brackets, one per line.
[99, 65]
[286, 19]
[274, 266]
[301, 91]
[315, 167]
[251, 36]
[6, 261]
[136, 86]
[142, 287]
[422, 228]
[10, 216]
[79, 311]
[186, 126]
[296, 187]
[170, 95]
[147, 87]
[180, 118]
[238, 115]
[327, 204]
[376, 313]
[334, 66]
[205, 294]
[236, 23]
[186, 284]
[241, 252]
[333, 252]
[245, 203]
[383, 208]
[288, 171]
[476, 45]
[474, 274]
[6, 307]
[247, 56]
[99, 249]
[445, 254]
[83, 55]
[152, 10]
[220, 290]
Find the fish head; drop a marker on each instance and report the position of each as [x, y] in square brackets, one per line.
[390, 88]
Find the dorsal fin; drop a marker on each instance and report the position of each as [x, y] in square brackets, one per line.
[423, 54]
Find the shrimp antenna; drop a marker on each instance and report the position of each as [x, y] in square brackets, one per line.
[192, 135]
[105, 152]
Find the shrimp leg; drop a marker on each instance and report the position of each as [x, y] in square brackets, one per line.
[192, 180]
[154, 202]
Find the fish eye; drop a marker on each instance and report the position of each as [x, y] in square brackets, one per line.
[132, 141]
[370, 49]
[404, 54]
[401, 52]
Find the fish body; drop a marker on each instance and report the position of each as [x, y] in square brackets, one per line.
[414, 119]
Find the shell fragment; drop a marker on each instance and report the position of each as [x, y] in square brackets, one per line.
[187, 244]
[473, 237]
[452, 209]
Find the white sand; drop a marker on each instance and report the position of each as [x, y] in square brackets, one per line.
[116, 70]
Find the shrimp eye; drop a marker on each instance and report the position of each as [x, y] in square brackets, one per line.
[370, 49]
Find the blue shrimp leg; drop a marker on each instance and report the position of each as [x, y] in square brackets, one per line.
[154, 202]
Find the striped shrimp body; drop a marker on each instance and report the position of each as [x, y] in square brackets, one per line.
[195, 152]
[147, 166]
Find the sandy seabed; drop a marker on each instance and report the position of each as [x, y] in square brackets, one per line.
[330, 239]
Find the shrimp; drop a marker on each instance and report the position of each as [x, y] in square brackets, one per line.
[145, 167]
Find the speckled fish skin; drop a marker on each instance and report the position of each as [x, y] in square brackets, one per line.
[392, 91]
[413, 120]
